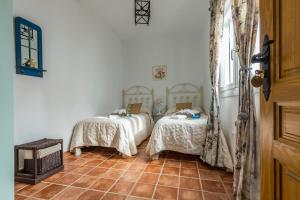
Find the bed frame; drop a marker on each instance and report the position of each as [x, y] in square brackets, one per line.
[184, 92]
[139, 94]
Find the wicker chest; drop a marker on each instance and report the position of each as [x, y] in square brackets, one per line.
[38, 160]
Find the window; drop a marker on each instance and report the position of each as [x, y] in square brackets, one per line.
[229, 65]
[229, 61]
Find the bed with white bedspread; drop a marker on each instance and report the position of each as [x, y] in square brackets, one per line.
[181, 134]
[122, 133]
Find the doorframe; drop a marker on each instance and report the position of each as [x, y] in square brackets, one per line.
[6, 101]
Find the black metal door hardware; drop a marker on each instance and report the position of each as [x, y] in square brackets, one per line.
[262, 77]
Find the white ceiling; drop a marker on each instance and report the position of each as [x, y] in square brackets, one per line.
[167, 16]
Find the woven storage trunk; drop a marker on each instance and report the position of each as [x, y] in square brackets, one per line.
[44, 165]
[36, 161]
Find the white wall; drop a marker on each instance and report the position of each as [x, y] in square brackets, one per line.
[184, 55]
[85, 67]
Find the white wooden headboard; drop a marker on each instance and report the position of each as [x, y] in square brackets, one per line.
[139, 94]
[184, 92]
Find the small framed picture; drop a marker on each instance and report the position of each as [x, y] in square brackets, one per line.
[159, 72]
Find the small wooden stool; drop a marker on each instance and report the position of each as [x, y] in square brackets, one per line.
[38, 160]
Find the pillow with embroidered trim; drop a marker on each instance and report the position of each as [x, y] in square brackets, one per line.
[134, 108]
[181, 106]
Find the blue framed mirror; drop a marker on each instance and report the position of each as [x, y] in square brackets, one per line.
[29, 52]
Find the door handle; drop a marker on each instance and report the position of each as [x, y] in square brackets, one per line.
[263, 76]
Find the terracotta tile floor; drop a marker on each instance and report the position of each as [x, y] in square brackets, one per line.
[100, 173]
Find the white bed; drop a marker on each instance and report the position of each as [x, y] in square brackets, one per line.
[184, 135]
[122, 133]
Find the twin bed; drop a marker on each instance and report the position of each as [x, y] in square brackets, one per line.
[121, 133]
[172, 132]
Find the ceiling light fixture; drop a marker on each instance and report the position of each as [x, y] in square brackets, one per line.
[142, 12]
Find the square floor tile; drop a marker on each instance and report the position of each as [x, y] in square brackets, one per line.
[31, 189]
[188, 164]
[49, 192]
[69, 160]
[159, 161]
[79, 161]
[19, 186]
[137, 167]
[165, 193]
[190, 183]
[136, 198]
[153, 169]
[82, 170]
[143, 190]
[111, 196]
[98, 171]
[171, 171]
[93, 163]
[84, 181]
[54, 177]
[69, 168]
[103, 184]
[122, 187]
[19, 197]
[130, 176]
[113, 174]
[172, 163]
[121, 165]
[212, 186]
[149, 178]
[215, 196]
[185, 194]
[209, 175]
[189, 173]
[170, 181]
[91, 195]
[68, 179]
[69, 193]
[107, 164]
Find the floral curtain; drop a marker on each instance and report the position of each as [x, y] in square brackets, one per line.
[245, 21]
[213, 136]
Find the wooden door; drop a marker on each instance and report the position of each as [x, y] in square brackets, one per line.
[280, 116]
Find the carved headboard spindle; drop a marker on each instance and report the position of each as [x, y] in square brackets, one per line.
[184, 92]
[139, 94]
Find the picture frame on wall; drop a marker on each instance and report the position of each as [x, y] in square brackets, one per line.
[159, 72]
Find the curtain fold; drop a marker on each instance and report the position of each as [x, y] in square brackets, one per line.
[245, 21]
[213, 138]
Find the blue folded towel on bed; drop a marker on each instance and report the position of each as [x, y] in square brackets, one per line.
[196, 116]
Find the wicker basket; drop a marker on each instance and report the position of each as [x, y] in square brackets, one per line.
[44, 165]
[36, 161]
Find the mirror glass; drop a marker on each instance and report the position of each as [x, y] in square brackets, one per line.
[29, 46]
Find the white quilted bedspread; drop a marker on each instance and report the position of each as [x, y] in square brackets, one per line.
[122, 133]
[184, 136]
